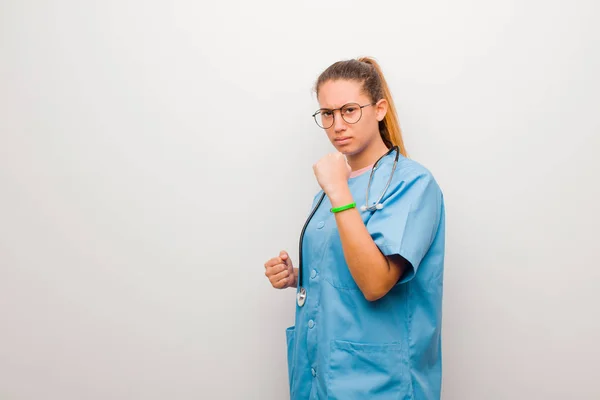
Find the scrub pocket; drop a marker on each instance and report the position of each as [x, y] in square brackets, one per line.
[368, 371]
[290, 336]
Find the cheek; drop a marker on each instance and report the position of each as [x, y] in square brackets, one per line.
[368, 125]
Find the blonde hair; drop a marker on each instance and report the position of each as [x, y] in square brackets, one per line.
[367, 71]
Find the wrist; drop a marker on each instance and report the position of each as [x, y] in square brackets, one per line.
[294, 281]
[340, 196]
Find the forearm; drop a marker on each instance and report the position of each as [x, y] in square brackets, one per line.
[368, 266]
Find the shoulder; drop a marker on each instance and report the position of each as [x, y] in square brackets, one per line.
[410, 175]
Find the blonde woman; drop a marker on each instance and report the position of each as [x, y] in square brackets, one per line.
[369, 286]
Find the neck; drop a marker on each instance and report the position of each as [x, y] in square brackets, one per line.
[367, 156]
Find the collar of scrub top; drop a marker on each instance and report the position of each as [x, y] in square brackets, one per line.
[301, 294]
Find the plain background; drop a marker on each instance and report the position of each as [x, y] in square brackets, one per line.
[153, 155]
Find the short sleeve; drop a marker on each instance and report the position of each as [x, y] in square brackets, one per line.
[409, 220]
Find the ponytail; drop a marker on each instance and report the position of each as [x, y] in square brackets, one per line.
[390, 126]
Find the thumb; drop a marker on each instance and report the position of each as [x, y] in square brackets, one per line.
[285, 257]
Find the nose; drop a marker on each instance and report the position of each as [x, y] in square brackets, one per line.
[338, 122]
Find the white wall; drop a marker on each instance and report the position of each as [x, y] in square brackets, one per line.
[154, 156]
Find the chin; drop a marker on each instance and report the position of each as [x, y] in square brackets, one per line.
[347, 150]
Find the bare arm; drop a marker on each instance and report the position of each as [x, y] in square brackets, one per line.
[374, 273]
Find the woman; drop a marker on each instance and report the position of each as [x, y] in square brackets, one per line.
[368, 315]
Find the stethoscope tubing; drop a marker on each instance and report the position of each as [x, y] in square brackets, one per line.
[363, 208]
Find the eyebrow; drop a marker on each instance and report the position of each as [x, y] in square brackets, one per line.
[336, 108]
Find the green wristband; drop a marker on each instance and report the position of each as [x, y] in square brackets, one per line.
[342, 208]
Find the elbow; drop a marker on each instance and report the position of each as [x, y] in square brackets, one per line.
[377, 285]
[371, 297]
[373, 294]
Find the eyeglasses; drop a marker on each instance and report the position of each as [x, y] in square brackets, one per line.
[351, 113]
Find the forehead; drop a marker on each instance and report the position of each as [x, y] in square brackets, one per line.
[336, 93]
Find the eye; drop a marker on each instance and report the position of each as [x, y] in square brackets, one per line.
[349, 110]
[326, 113]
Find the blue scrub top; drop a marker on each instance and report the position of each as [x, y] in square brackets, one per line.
[345, 347]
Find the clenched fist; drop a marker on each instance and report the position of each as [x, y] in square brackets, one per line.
[332, 172]
[280, 271]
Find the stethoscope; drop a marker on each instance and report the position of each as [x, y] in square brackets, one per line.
[301, 294]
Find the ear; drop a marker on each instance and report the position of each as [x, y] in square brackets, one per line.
[381, 108]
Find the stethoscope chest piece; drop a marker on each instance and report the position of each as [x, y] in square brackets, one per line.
[301, 297]
[377, 206]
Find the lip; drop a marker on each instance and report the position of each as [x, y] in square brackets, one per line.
[343, 139]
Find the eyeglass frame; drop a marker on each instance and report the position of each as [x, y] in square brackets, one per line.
[320, 110]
